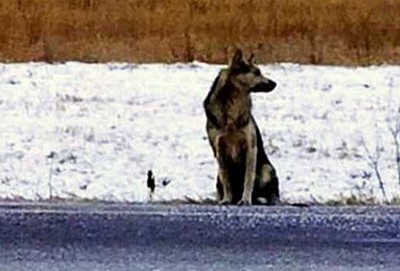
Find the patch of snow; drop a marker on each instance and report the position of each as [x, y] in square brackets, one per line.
[92, 131]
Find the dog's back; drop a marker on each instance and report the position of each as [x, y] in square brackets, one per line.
[267, 179]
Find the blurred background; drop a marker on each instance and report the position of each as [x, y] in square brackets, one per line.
[348, 32]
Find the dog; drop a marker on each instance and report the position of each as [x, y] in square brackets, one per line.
[245, 175]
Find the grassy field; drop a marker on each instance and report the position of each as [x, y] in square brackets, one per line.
[306, 31]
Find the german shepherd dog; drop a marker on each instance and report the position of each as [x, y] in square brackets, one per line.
[245, 174]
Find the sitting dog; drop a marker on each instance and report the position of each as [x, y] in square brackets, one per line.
[245, 174]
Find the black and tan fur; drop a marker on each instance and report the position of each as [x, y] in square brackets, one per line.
[245, 173]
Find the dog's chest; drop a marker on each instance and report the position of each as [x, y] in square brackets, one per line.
[232, 145]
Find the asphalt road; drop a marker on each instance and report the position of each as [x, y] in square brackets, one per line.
[193, 237]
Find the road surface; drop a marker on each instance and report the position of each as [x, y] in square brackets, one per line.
[112, 237]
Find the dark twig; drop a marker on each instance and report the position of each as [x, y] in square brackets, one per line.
[373, 161]
[395, 132]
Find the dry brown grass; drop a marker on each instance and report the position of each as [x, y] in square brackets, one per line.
[305, 31]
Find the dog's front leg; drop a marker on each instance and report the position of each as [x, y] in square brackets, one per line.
[221, 153]
[249, 178]
[226, 185]
[223, 174]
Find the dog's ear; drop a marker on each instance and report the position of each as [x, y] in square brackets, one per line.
[236, 59]
[251, 58]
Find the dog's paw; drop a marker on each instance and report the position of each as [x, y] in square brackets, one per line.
[243, 202]
[225, 201]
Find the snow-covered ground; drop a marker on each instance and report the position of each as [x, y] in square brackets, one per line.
[92, 131]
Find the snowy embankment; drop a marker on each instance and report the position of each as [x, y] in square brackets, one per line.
[92, 131]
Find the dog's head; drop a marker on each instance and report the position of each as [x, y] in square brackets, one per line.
[243, 74]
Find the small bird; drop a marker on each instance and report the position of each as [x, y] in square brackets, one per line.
[165, 182]
[151, 182]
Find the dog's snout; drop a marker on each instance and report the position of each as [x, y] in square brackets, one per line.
[266, 85]
[272, 84]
